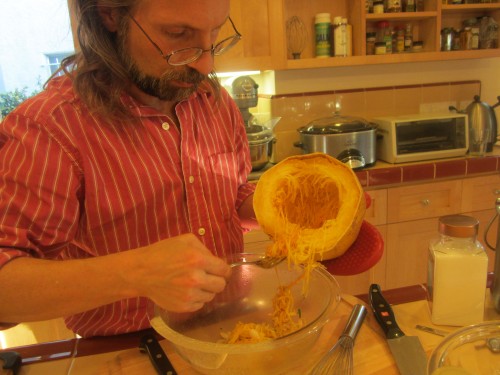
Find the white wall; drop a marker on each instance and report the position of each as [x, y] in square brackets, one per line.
[29, 29]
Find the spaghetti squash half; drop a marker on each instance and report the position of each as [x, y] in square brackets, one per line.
[312, 206]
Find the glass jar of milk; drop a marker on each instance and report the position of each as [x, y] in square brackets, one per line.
[457, 272]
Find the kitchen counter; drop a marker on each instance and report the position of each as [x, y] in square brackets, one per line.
[384, 174]
[120, 354]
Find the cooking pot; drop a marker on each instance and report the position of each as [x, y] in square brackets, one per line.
[351, 140]
[482, 116]
[260, 141]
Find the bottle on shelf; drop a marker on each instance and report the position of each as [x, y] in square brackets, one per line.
[408, 38]
[393, 6]
[378, 6]
[342, 36]
[399, 45]
[384, 34]
[409, 6]
[323, 27]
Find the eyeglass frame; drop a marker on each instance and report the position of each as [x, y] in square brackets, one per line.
[199, 51]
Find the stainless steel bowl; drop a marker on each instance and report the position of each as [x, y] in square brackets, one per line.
[260, 140]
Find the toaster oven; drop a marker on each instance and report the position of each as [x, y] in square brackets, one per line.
[418, 137]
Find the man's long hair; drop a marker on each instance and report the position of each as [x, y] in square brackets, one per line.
[98, 74]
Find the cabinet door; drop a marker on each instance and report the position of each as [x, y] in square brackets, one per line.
[480, 193]
[423, 201]
[407, 252]
[262, 44]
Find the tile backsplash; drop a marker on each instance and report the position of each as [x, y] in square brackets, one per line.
[298, 109]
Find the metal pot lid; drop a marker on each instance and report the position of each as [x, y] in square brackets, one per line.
[258, 134]
[337, 124]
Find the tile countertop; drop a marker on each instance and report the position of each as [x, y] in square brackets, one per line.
[385, 174]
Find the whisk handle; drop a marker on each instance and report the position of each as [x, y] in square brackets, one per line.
[355, 321]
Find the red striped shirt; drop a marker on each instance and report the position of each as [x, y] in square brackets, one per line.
[74, 185]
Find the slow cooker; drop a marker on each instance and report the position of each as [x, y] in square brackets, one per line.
[351, 140]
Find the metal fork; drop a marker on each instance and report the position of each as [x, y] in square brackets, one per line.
[264, 262]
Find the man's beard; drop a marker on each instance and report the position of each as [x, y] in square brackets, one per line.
[160, 87]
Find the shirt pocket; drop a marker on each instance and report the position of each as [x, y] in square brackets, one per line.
[224, 168]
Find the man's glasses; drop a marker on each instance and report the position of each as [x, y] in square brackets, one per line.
[188, 55]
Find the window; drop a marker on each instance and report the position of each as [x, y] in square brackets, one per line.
[54, 61]
[36, 35]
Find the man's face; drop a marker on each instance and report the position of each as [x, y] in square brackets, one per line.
[172, 25]
[162, 86]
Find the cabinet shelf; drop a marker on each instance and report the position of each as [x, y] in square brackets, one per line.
[401, 16]
[458, 8]
[264, 42]
[390, 58]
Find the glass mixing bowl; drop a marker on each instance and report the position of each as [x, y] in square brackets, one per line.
[472, 350]
[248, 298]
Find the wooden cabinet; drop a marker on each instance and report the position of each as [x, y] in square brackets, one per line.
[264, 44]
[412, 220]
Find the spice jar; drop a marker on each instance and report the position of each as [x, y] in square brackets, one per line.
[371, 37]
[384, 34]
[378, 6]
[393, 6]
[380, 48]
[457, 272]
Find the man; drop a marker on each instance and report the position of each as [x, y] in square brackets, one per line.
[125, 181]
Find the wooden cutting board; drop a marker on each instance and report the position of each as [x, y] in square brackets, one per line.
[371, 353]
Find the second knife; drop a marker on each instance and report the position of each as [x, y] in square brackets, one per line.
[407, 350]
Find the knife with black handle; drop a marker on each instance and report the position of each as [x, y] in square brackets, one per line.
[407, 350]
[159, 359]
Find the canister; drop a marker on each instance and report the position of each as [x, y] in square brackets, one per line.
[323, 29]
[457, 272]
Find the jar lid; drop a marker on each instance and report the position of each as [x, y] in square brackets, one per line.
[458, 226]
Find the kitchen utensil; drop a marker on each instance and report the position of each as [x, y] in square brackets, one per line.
[338, 360]
[244, 91]
[482, 116]
[363, 254]
[495, 289]
[296, 36]
[159, 359]
[260, 141]
[407, 350]
[264, 262]
[248, 297]
[469, 350]
[351, 140]
[10, 362]
[434, 331]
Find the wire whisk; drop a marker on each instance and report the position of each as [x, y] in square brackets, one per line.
[338, 360]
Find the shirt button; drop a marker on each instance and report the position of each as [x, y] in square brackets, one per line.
[165, 126]
[191, 179]
[201, 231]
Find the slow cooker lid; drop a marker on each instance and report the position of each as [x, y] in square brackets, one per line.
[337, 124]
